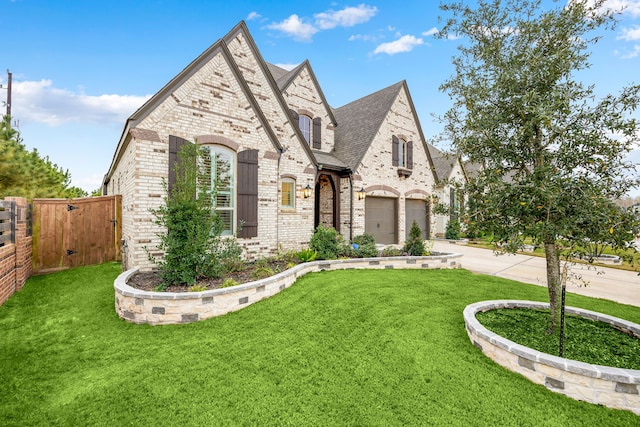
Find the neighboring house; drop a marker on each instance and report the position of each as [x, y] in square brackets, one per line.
[450, 171]
[287, 161]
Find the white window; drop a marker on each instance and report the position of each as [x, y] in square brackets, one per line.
[288, 193]
[305, 127]
[220, 172]
[402, 153]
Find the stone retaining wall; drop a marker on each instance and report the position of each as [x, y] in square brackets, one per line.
[161, 308]
[613, 387]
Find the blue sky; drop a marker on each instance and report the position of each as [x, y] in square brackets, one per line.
[81, 67]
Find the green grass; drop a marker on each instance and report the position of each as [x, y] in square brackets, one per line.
[585, 340]
[338, 348]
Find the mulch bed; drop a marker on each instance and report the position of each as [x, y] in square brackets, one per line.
[151, 280]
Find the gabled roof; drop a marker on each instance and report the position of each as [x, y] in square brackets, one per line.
[359, 122]
[219, 47]
[284, 78]
[442, 162]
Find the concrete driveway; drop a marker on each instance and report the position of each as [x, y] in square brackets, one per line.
[607, 283]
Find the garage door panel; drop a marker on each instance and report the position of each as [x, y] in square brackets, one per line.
[381, 219]
[418, 211]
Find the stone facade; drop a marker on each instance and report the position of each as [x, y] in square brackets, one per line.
[229, 97]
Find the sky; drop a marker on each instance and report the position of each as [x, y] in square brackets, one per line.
[81, 67]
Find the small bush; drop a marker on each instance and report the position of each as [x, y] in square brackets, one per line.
[391, 251]
[364, 246]
[328, 243]
[414, 245]
[197, 288]
[307, 255]
[262, 272]
[228, 283]
[452, 231]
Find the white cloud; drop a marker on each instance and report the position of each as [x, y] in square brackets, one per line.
[295, 28]
[300, 29]
[432, 32]
[634, 53]
[627, 7]
[253, 15]
[403, 44]
[347, 17]
[630, 34]
[41, 102]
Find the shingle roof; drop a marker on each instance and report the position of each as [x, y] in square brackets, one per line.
[359, 122]
[442, 162]
[282, 76]
[329, 161]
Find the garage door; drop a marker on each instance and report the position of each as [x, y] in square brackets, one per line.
[417, 210]
[381, 219]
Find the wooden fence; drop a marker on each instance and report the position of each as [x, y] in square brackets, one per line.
[74, 232]
[15, 245]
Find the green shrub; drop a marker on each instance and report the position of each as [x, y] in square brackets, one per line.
[228, 283]
[452, 231]
[192, 243]
[391, 251]
[197, 288]
[364, 246]
[328, 243]
[262, 272]
[414, 245]
[307, 255]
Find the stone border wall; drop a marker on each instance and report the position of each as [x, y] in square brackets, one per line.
[613, 387]
[162, 308]
[15, 258]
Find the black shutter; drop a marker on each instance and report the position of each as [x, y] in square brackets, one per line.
[248, 193]
[394, 150]
[175, 143]
[410, 155]
[317, 133]
[295, 116]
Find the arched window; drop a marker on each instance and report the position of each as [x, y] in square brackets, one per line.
[304, 122]
[219, 168]
[402, 153]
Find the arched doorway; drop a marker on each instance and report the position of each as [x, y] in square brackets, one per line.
[326, 202]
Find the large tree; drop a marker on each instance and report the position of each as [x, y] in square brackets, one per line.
[25, 173]
[553, 155]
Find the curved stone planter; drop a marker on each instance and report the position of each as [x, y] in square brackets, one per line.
[162, 308]
[613, 387]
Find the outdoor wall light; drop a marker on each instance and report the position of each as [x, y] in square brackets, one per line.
[361, 193]
[306, 192]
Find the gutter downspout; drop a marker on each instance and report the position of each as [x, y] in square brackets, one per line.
[350, 207]
[280, 153]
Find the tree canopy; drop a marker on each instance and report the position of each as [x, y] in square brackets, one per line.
[25, 173]
[554, 157]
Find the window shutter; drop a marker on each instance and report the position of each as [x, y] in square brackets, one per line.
[410, 155]
[317, 133]
[175, 143]
[295, 116]
[394, 150]
[248, 193]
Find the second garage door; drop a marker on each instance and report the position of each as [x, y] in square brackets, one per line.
[418, 211]
[381, 219]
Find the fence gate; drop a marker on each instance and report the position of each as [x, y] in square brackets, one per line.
[74, 232]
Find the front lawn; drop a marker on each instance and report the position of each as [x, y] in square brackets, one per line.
[356, 347]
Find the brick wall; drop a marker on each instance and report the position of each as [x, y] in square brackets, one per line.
[15, 258]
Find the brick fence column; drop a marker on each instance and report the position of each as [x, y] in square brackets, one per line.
[23, 243]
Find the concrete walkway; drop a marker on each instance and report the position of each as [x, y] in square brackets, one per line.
[607, 283]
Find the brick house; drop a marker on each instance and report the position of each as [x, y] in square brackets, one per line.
[288, 161]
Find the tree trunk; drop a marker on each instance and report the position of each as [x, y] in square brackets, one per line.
[554, 284]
